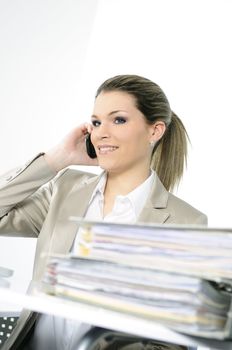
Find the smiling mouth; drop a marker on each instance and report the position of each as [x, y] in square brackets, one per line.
[106, 149]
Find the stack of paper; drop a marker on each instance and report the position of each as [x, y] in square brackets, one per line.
[178, 276]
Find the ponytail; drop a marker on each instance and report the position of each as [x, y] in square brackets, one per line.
[169, 156]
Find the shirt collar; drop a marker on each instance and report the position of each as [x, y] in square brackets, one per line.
[100, 188]
[140, 194]
[137, 197]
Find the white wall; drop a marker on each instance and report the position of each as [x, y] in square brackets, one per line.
[54, 54]
[48, 79]
[184, 46]
[43, 45]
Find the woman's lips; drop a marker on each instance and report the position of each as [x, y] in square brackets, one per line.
[106, 149]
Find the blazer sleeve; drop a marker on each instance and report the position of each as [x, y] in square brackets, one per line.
[24, 198]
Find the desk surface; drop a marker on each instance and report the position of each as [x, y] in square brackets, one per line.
[105, 318]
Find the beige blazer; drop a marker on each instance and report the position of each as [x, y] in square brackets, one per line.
[35, 202]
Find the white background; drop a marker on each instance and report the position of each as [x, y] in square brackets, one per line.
[43, 46]
[55, 53]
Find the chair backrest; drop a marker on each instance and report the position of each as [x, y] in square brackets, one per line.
[99, 338]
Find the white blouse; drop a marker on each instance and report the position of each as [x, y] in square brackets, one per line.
[57, 333]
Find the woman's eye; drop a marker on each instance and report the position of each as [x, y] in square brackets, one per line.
[120, 120]
[95, 123]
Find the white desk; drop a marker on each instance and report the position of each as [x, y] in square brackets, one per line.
[14, 299]
[105, 318]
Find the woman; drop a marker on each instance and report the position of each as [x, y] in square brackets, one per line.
[140, 144]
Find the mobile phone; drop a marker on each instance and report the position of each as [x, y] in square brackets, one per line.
[89, 147]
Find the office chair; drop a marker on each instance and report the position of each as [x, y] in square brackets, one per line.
[104, 339]
[95, 339]
[6, 326]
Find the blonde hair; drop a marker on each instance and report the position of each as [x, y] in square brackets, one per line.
[169, 156]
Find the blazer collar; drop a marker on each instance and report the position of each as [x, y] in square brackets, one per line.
[75, 204]
[78, 200]
[154, 210]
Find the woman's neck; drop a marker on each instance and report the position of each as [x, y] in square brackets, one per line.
[121, 184]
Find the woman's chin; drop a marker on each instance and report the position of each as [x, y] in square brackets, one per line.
[108, 167]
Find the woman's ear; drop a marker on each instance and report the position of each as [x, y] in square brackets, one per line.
[157, 131]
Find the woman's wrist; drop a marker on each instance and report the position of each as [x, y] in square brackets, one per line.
[54, 160]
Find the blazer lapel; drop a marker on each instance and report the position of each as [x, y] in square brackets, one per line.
[78, 200]
[75, 205]
[155, 209]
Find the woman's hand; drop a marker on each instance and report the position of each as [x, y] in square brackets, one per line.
[71, 150]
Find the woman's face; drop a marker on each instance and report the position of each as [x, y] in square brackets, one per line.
[120, 134]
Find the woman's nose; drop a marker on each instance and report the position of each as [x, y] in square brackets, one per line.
[103, 131]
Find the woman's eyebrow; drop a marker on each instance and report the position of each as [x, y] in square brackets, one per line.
[113, 112]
